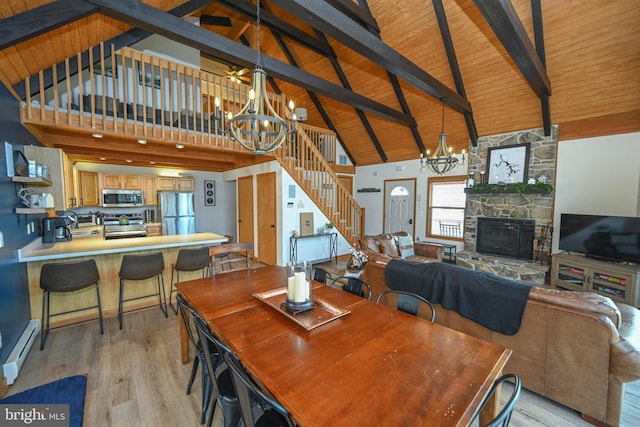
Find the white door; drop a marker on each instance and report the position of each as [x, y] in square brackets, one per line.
[399, 203]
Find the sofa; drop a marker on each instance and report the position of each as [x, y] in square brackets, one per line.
[576, 348]
[384, 247]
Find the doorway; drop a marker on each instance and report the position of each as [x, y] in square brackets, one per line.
[245, 209]
[399, 205]
[267, 218]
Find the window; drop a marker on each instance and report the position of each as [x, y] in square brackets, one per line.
[446, 207]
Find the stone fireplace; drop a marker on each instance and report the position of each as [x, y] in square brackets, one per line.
[506, 237]
[533, 209]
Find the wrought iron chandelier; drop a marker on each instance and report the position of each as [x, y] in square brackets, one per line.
[257, 126]
[443, 159]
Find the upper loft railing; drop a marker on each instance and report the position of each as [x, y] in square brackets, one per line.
[139, 95]
[136, 95]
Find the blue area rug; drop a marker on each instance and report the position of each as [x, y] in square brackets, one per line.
[69, 391]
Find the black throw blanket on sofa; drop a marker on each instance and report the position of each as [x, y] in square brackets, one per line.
[492, 301]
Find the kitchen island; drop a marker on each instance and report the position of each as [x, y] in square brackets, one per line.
[108, 255]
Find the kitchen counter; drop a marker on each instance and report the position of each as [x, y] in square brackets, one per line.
[94, 244]
[108, 256]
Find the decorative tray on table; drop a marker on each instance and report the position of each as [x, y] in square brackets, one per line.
[322, 311]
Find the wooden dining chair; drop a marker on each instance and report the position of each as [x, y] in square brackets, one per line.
[239, 257]
[408, 302]
[353, 285]
[504, 416]
[251, 395]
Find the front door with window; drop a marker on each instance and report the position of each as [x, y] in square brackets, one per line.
[399, 203]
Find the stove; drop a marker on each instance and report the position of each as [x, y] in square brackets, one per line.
[124, 226]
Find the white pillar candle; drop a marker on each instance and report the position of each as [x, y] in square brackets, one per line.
[291, 288]
[300, 285]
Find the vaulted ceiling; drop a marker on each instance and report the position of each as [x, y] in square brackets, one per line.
[384, 65]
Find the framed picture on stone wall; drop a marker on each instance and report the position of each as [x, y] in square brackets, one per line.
[508, 164]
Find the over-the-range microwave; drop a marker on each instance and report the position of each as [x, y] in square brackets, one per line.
[122, 198]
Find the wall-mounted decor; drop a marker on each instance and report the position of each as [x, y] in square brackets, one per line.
[209, 193]
[508, 164]
[150, 79]
[108, 71]
[306, 224]
[8, 155]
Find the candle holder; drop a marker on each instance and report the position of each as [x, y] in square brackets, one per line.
[299, 287]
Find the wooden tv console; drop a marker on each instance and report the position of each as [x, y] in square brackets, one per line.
[617, 281]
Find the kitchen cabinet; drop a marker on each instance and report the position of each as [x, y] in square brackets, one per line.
[121, 181]
[89, 188]
[71, 183]
[154, 229]
[61, 170]
[168, 183]
[149, 188]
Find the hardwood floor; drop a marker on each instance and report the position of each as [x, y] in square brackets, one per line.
[135, 377]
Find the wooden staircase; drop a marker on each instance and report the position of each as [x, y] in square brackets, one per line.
[307, 164]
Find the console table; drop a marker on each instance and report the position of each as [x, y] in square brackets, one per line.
[332, 240]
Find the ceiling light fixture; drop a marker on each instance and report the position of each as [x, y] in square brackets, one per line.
[103, 158]
[257, 127]
[152, 163]
[97, 135]
[142, 141]
[179, 146]
[128, 160]
[443, 159]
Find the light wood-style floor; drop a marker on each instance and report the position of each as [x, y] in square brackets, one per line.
[135, 377]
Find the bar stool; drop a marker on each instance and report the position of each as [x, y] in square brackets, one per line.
[67, 277]
[141, 267]
[189, 260]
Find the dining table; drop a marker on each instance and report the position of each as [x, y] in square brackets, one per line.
[369, 364]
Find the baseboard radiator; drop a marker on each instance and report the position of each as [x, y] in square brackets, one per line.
[17, 357]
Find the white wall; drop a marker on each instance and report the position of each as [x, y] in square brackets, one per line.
[599, 176]
[288, 218]
[375, 175]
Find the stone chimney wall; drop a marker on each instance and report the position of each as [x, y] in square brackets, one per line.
[542, 161]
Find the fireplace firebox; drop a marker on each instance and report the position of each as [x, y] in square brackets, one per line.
[506, 237]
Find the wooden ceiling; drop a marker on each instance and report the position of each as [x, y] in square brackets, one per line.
[591, 50]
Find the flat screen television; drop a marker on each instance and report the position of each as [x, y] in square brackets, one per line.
[612, 238]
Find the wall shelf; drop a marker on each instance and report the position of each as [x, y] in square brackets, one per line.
[30, 211]
[32, 180]
[510, 189]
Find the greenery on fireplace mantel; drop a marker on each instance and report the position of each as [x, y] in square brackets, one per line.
[520, 188]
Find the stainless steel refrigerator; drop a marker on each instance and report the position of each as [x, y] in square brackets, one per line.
[176, 212]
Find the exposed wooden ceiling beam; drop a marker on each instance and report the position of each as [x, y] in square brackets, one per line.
[331, 21]
[154, 20]
[506, 24]
[125, 39]
[41, 19]
[217, 21]
[538, 35]
[363, 118]
[272, 22]
[395, 83]
[358, 14]
[453, 65]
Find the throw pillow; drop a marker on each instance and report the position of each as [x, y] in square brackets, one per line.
[388, 246]
[405, 244]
